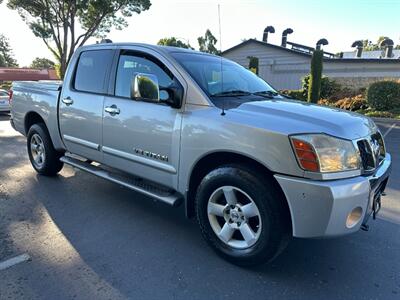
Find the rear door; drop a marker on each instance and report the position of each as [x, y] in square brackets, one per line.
[81, 105]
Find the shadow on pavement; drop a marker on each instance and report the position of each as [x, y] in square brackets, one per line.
[80, 225]
[135, 244]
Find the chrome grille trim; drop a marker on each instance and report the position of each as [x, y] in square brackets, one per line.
[372, 151]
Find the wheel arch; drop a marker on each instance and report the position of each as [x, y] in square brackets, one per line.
[32, 118]
[214, 160]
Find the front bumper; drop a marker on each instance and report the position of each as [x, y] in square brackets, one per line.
[321, 208]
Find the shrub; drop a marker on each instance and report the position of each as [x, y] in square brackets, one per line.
[296, 94]
[341, 93]
[6, 85]
[326, 102]
[351, 103]
[384, 95]
[253, 64]
[329, 88]
[314, 88]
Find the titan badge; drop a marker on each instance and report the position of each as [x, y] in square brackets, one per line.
[151, 154]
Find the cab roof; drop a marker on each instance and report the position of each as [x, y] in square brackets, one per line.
[168, 49]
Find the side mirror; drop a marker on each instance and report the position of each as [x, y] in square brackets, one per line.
[145, 87]
[173, 94]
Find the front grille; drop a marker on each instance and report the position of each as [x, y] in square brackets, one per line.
[380, 152]
[367, 159]
[372, 151]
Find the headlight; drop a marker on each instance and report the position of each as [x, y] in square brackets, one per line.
[324, 153]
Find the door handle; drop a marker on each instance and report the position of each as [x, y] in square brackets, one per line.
[68, 101]
[112, 110]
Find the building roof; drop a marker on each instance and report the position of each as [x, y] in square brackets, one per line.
[267, 45]
[309, 53]
[25, 74]
[377, 54]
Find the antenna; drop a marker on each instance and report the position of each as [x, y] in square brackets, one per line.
[220, 53]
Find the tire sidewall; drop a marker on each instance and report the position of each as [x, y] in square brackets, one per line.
[266, 245]
[51, 161]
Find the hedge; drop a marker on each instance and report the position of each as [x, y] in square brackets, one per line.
[384, 95]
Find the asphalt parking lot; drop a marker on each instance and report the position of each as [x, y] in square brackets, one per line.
[90, 239]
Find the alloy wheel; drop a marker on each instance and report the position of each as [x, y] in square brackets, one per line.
[234, 217]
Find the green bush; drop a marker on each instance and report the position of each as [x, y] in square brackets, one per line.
[341, 93]
[314, 88]
[329, 87]
[296, 94]
[253, 64]
[384, 95]
[6, 85]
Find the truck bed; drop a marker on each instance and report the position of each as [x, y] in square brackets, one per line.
[39, 98]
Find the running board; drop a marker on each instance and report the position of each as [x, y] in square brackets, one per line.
[131, 182]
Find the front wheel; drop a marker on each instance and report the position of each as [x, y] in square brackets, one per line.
[44, 158]
[242, 215]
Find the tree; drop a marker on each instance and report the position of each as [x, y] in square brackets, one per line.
[42, 63]
[370, 46]
[253, 64]
[54, 21]
[314, 88]
[6, 55]
[174, 42]
[2, 61]
[207, 43]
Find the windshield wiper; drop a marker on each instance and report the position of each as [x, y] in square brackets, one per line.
[231, 93]
[266, 94]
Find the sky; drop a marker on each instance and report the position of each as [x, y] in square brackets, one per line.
[341, 22]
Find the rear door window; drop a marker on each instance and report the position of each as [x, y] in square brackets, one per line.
[92, 70]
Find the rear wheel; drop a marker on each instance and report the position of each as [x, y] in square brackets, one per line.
[44, 158]
[242, 215]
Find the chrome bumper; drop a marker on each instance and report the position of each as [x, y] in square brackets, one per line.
[321, 208]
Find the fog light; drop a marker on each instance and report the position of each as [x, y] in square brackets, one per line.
[354, 217]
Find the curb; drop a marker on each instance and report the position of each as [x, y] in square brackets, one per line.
[389, 120]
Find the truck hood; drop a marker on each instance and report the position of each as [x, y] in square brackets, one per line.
[291, 117]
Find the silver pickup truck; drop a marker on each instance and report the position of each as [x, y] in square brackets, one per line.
[179, 126]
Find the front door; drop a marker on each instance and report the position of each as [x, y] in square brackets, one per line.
[81, 105]
[142, 138]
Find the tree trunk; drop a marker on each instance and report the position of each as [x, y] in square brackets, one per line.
[61, 66]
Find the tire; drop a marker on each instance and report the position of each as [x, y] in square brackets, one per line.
[269, 223]
[44, 158]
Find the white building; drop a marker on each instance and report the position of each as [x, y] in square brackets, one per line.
[285, 67]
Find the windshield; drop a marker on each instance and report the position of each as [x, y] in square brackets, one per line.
[235, 81]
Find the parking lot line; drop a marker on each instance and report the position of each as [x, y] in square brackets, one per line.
[389, 130]
[14, 261]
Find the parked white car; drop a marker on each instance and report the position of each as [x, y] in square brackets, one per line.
[4, 102]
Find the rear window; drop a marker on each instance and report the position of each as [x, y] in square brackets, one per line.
[92, 70]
